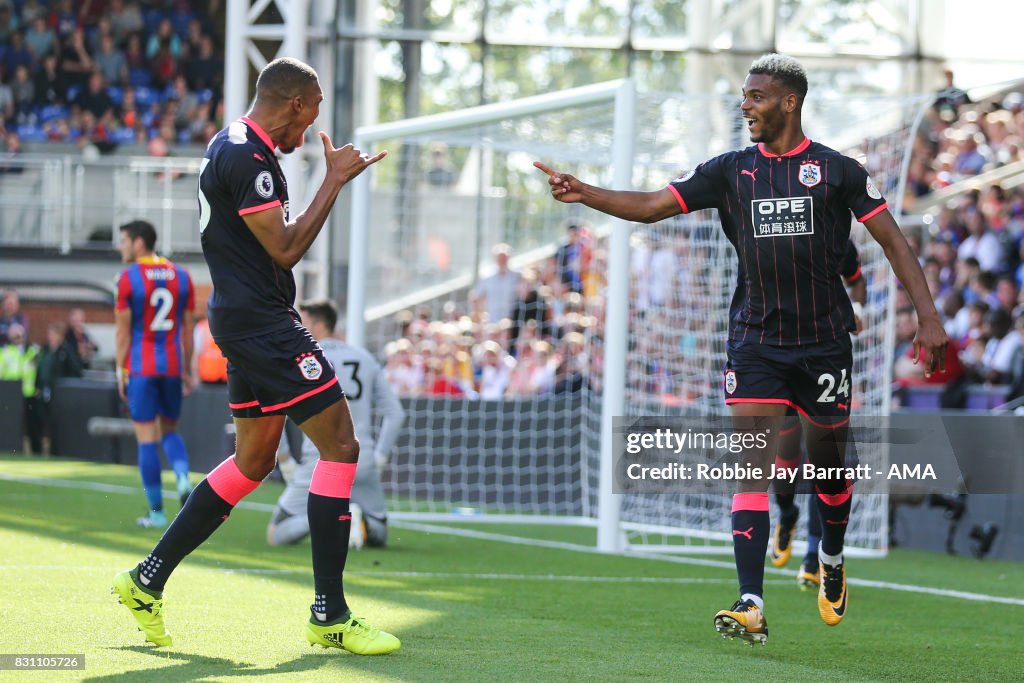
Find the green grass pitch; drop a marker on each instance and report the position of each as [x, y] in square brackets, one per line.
[466, 609]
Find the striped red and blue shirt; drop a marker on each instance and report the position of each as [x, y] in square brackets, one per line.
[158, 293]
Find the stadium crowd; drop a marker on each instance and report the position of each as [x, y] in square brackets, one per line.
[539, 332]
[110, 72]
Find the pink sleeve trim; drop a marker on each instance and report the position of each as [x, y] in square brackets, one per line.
[679, 198]
[875, 212]
[261, 207]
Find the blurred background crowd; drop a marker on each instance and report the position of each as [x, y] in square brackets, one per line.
[110, 72]
[538, 331]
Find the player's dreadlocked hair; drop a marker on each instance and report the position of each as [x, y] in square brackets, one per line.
[284, 78]
[785, 69]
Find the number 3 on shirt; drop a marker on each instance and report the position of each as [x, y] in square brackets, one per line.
[204, 204]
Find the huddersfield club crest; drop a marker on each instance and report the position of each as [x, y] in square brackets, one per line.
[730, 382]
[310, 367]
[810, 174]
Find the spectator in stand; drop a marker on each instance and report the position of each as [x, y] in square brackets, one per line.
[519, 385]
[572, 364]
[6, 105]
[572, 257]
[80, 343]
[164, 36]
[193, 36]
[10, 314]
[969, 160]
[205, 69]
[983, 288]
[404, 373]
[32, 10]
[496, 294]
[906, 328]
[23, 90]
[18, 54]
[436, 383]
[64, 19]
[50, 85]
[163, 65]
[40, 38]
[494, 371]
[18, 359]
[56, 361]
[96, 100]
[135, 58]
[73, 60]
[8, 23]
[529, 308]
[981, 243]
[92, 11]
[125, 19]
[198, 125]
[441, 172]
[1001, 341]
[954, 315]
[111, 62]
[10, 160]
[1006, 293]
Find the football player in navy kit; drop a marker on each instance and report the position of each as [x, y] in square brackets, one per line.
[275, 367]
[785, 205]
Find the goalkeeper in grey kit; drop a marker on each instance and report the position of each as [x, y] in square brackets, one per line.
[369, 397]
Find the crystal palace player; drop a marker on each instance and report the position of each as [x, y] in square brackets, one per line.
[154, 321]
[785, 205]
[276, 368]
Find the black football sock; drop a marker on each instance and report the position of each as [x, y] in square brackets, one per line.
[329, 525]
[751, 529]
[202, 513]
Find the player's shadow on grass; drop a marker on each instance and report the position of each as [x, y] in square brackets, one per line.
[217, 667]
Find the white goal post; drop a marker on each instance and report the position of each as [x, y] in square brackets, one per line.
[654, 335]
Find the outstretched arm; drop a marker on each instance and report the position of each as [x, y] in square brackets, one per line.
[288, 243]
[931, 338]
[641, 207]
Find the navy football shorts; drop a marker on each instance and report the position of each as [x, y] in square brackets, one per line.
[280, 373]
[152, 397]
[813, 379]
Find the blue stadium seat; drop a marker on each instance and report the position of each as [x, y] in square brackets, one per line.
[139, 77]
[151, 18]
[123, 136]
[72, 93]
[146, 96]
[204, 95]
[116, 94]
[52, 112]
[31, 133]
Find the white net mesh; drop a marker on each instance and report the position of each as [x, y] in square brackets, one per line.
[453, 193]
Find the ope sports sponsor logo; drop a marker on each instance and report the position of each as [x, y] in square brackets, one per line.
[783, 216]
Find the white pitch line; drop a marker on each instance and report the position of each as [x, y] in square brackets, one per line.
[406, 575]
[518, 540]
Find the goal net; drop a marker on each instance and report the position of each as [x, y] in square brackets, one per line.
[424, 224]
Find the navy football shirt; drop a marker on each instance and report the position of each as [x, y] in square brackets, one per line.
[240, 174]
[788, 217]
